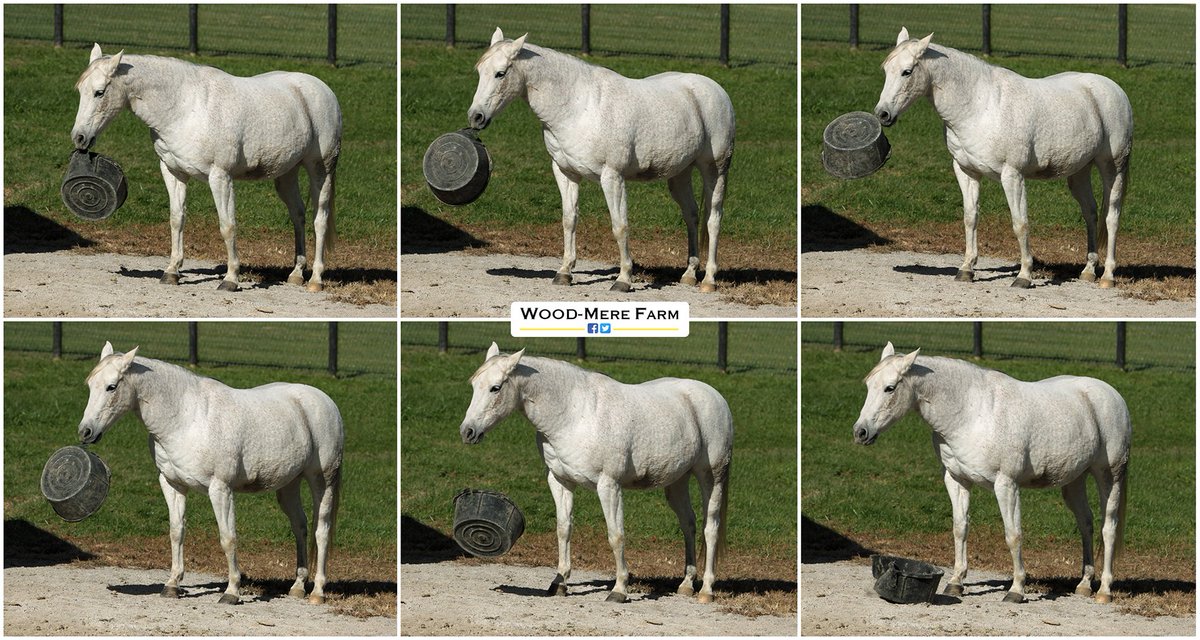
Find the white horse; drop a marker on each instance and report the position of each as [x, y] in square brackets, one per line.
[595, 432]
[219, 128]
[207, 437]
[607, 128]
[1006, 434]
[1010, 128]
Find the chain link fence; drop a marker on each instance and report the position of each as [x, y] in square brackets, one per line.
[1156, 33]
[347, 348]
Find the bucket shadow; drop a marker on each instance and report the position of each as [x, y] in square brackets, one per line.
[421, 543]
[27, 231]
[820, 544]
[821, 229]
[421, 232]
[28, 546]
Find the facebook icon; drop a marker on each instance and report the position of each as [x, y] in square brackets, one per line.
[599, 327]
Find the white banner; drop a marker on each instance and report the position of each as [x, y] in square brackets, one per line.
[599, 319]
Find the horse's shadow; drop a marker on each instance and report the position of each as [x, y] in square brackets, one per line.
[266, 277]
[421, 232]
[981, 275]
[26, 545]
[649, 277]
[655, 587]
[822, 229]
[27, 231]
[263, 589]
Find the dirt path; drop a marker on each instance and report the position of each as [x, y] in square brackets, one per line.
[837, 599]
[58, 284]
[861, 283]
[67, 600]
[455, 284]
[455, 599]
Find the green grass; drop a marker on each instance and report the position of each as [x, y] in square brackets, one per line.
[894, 487]
[760, 206]
[39, 110]
[917, 185]
[435, 464]
[44, 400]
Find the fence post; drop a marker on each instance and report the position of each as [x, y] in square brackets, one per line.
[1122, 33]
[853, 27]
[837, 336]
[1121, 346]
[987, 29]
[449, 26]
[977, 330]
[56, 339]
[585, 21]
[443, 336]
[722, 346]
[58, 24]
[333, 349]
[581, 348]
[724, 35]
[193, 29]
[193, 344]
[331, 56]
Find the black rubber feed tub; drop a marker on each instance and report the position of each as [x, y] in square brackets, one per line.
[486, 523]
[94, 186]
[457, 167]
[904, 581]
[855, 146]
[75, 482]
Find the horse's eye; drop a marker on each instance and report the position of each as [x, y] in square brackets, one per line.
[99, 93]
[495, 388]
[110, 388]
[906, 73]
[500, 74]
[890, 388]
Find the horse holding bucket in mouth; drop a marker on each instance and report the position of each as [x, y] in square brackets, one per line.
[209, 125]
[1010, 128]
[1007, 434]
[595, 432]
[210, 438]
[602, 126]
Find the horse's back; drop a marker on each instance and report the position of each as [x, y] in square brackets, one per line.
[699, 406]
[1095, 405]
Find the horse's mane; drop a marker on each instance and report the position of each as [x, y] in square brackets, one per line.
[927, 360]
[130, 60]
[540, 365]
[530, 50]
[146, 364]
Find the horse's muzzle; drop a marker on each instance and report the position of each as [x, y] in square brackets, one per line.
[478, 121]
[89, 436]
[863, 436]
[83, 142]
[471, 436]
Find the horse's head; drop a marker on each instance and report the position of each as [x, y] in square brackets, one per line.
[889, 395]
[905, 78]
[498, 83]
[494, 395]
[109, 394]
[99, 103]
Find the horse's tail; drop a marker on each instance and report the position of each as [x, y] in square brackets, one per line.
[1123, 485]
[722, 548]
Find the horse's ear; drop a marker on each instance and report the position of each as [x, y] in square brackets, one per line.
[96, 53]
[518, 44]
[127, 359]
[888, 351]
[497, 35]
[107, 350]
[923, 44]
[511, 361]
[903, 37]
[492, 352]
[908, 361]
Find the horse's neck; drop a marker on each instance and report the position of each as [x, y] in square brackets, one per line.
[957, 80]
[158, 88]
[546, 388]
[161, 390]
[943, 397]
[553, 81]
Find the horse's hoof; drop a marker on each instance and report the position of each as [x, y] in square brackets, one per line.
[1021, 283]
[562, 278]
[685, 590]
[953, 590]
[1084, 591]
[316, 599]
[1013, 596]
[315, 287]
[1087, 276]
[229, 598]
[170, 592]
[556, 589]
[1107, 283]
[295, 279]
[616, 596]
[704, 598]
[227, 285]
[965, 276]
[1103, 598]
[622, 287]
[169, 278]
[708, 287]
[688, 281]
[297, 592]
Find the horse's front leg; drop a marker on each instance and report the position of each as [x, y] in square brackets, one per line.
[287, 187]
[1014, 191]
[222, 190]
[960, 505]
[614, 516]
[222, 501]
[177, 195]
[568, 188]
[176, 503]
[613, 184]
[969, 185]
[1009, 497]
[564, 501]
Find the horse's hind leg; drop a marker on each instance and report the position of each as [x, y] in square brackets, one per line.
[177, 195]
[711, 497]
[681, 503]
[714, 205]
[289, 500]
[287, 187]
[1075, 495]
[1081, 187]
[681, 191]
[320, 183]
[1114, 176]
[1111, 487]
[568, 188]
[325, 499]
